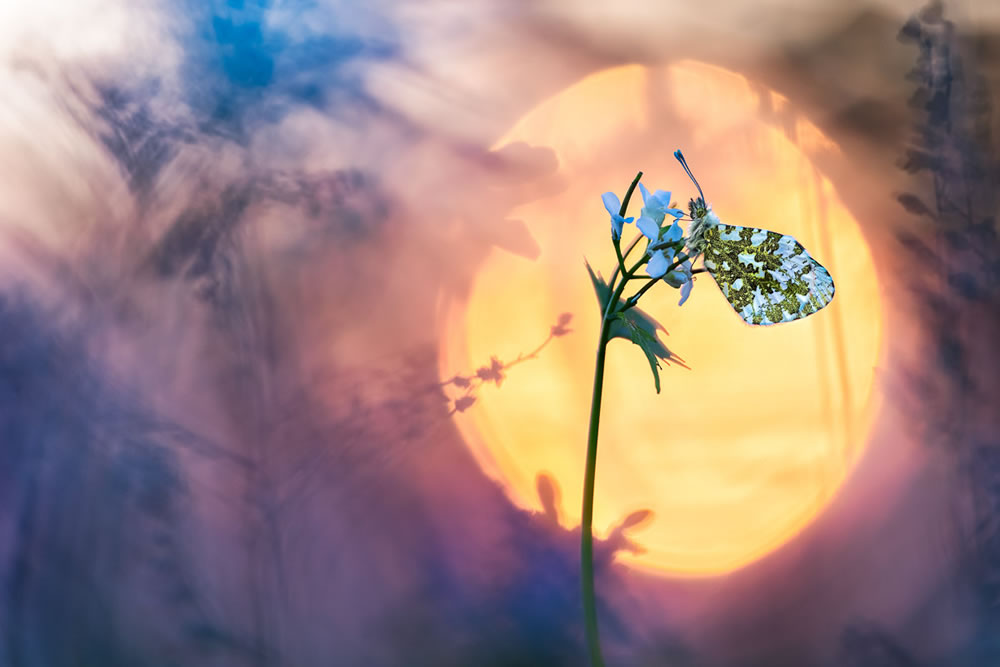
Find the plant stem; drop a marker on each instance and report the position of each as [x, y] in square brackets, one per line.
[616, 242]
[618, 269]
[621, 259]
[587, 521]
[589, 478]
[634, 299]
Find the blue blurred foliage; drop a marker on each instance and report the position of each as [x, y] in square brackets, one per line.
[241, 66]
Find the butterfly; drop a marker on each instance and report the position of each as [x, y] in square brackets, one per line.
[767, 277]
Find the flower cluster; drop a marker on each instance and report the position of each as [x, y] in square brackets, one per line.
[767, 277]
[613, 206]
[665, 242]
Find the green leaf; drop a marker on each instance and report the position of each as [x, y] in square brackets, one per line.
[643, 320]
[638, 327]
[637, 315]
[635, 325]
[646, 343]
[602, 289]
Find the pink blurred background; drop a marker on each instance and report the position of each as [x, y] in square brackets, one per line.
[225, 230]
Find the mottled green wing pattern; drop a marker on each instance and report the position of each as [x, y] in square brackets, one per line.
[767, 277]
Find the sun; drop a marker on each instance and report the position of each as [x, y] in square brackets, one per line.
[741, 452]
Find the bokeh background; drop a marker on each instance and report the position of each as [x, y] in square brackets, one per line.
[273, 275]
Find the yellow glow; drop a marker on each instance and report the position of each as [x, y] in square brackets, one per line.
[738, 454]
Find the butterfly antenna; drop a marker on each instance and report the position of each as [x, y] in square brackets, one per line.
[680, 158]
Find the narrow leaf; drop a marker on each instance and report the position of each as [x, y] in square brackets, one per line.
[643, 320]
[917, 160]
[636, 518]
[913, 204]
[911, 31]
[602, 289]
[641, 329]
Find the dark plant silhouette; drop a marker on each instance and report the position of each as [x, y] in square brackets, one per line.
[953, 238]
[100, 503]
[550, 497]
[953, 244]
[497, 370]
[866, 645]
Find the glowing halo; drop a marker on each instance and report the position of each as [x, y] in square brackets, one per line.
[737, 455]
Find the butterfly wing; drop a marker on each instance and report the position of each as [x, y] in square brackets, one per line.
[767, 277]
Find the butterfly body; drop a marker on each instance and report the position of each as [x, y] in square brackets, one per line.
[765, 276]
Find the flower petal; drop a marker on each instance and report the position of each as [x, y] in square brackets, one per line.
[617, 222]
[653, 212]
[649, 228]
[674, 233]
[680, 275]
[611, 203]
[685, 291]
[675, 278]
[645, 193]
[658, 264]
[663, 196]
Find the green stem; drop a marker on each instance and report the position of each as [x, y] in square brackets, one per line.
[634, 299]
[618, 269]
[589, 478]
[586, 528]
[621, 259]
[590, 473]
[617, 243]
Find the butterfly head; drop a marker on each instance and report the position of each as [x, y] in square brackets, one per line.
[701, 213]
[697, 208]
[702, 219]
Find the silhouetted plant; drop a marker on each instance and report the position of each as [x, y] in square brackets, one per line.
[767, 277]
[99, 501]
[953, 240]
[952, 147]
[866, 645]
[497, 370]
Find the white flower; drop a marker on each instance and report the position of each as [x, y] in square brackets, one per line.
[680, 276]
[656, 206]
[614, 206]
[659, 238]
